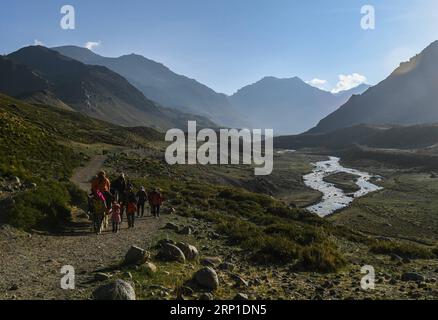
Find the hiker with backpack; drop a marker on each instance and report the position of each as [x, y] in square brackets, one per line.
[142, 197]
[119, 187]
[101, 183]
[155, 200]
[99, 211]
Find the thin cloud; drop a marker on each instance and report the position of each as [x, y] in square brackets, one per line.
[91, 45]
[349, 81]
[37, 42]
[318, 83]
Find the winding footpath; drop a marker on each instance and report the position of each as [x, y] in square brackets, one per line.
[31, 264]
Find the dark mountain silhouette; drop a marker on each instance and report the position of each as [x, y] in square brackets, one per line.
[17, 79]
[287, 105]
[162, 85]
[374, 136]
[93, 90]
[408, 96]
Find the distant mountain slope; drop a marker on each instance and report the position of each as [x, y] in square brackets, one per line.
[408, 96]
[286, 105]
[159, 83]
[346, 94]
[97, 91]
[374, 136]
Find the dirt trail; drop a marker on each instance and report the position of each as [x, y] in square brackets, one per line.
[83, 175]
[31, 264]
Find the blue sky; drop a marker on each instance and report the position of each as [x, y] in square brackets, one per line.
[227, 44]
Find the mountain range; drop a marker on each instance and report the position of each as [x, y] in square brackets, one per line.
[45, 76]
[132, 90]
[287, 105]
[407, 97]
[160, 84]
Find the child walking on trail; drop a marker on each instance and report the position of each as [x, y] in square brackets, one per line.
[116, 217]
[156, 199]
[131, 210]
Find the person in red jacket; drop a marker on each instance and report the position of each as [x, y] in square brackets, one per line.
[155, 201]
[131, 210]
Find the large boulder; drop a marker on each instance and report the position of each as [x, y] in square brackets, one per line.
[189, 251]
[170, 252]
[117, 290]
[136, 255]
[207, 278]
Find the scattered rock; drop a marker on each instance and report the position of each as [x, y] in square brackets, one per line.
[207, 278]
[214, 235]
[149, 267]
[171, 226]
[206, 297]
[100, 276]
[211, 261]
[165, 241]
[158, 287]
[227, 266]
[187, 230]
[136, 255]
[16, 180]
[240, 282]
[241, 296]
[14, 287]
[117, 290]
[185, 291]
[170, 252]
[190, 252]
[395, 257]
[412, 276]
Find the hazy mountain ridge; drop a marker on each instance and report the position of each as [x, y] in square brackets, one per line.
[407, 97]
[287, 105]
[94, 90]
[159, 83]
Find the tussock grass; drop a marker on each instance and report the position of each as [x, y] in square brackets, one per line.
[404, 250]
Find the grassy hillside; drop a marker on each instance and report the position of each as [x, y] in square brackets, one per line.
[39, 146]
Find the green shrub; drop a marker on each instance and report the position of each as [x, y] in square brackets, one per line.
[46, 205]
[301, 234]
[78, 197]
[404, 250]
[321, 257]
[435, 252]
[274, 250]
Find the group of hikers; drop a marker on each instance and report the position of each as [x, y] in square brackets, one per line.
[110, 200]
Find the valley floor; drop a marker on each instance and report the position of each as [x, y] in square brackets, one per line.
[31, 263]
